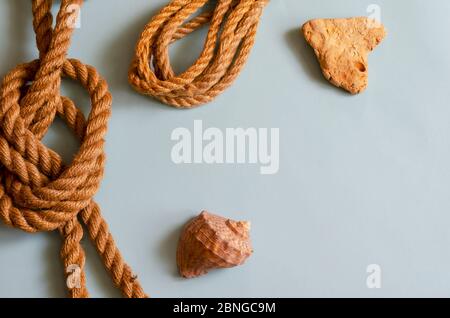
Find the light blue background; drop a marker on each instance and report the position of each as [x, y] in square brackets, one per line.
[363, 179]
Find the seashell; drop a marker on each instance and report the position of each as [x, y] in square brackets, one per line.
[210, 241]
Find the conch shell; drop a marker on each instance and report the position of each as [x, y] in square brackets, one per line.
[210, 241]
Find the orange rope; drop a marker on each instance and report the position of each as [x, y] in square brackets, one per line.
[38, 192]
[231, 35]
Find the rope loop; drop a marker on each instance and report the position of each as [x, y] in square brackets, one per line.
[231, 36]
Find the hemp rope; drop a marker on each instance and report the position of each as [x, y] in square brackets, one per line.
[38, 192]
[231, 35]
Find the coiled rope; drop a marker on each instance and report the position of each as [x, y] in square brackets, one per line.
[231, 35]
[38, 192]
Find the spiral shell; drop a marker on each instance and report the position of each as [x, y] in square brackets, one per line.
[210, 241]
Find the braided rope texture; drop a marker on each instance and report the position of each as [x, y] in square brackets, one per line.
[38, 192]
[231, 36]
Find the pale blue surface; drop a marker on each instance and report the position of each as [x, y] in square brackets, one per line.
[363, 179]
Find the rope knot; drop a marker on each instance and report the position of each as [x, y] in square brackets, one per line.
[38, 192]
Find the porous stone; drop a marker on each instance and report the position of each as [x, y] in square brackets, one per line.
[342, 47]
